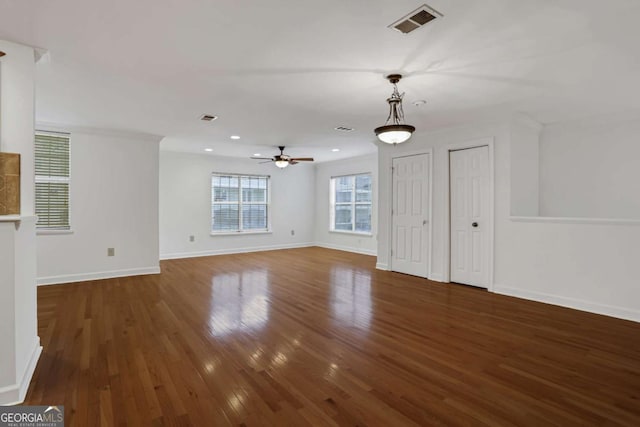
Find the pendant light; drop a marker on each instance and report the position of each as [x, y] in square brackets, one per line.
[394, 130]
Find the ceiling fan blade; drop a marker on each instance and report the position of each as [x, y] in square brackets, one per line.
[303, 159]
[259, 158]
[268, 161]
[292, 162]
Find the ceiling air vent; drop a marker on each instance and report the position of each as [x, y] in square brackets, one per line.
[416, 19]
[208, 117]
[343, 129]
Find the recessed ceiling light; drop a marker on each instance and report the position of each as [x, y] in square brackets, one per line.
[234, 137]
[257, 154]
[335, 150]
[208, 149]
[208, 117]
[343, 129]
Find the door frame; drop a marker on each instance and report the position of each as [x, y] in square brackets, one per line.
[475, 143]
[428, 151]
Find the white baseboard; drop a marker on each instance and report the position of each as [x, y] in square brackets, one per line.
[607, 310]
[180, 255]
[83, 277]
[347, 249]
[382, 266]
[437, 278]
[15, 394]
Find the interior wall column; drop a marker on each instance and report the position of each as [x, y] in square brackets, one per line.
[19, 342]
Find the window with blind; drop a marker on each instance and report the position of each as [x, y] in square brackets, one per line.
[351, 198]
[239, 203]
[52, 180]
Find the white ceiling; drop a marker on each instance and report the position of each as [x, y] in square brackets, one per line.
[286, 72]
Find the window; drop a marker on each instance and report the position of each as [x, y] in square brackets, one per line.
[351, 203]
[52, 180]
[239, 203]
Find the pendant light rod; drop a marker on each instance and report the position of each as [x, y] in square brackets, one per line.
[396, 132]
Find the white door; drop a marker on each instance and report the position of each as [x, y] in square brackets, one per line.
[469, 187]
[410, 215]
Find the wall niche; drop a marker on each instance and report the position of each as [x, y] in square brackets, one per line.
[9, 184]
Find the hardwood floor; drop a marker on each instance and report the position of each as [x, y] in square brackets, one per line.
[319, 337]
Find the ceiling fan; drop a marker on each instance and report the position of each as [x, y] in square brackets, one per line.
[282, 160]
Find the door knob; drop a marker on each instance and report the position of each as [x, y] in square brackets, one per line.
[475, 224]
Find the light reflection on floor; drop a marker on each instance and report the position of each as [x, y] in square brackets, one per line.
[239, 302]
[351, 296]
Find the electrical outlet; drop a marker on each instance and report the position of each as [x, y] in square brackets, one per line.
[293, 232]
[192, 238]
[111, 251]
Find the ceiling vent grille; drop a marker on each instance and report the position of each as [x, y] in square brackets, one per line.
[416, 19]
[208, 117]
[343, 129]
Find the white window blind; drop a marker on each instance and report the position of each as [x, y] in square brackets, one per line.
[52, 180]
[239, 203]
[351, 198]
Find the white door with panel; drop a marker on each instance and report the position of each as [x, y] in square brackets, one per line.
[470, 216]
[410, 215]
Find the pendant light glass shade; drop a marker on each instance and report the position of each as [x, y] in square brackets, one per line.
[394, 134]
[395, 131]
[282, 163]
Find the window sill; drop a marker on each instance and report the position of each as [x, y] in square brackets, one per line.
[52, 232]
[239, 233]
[353, 233]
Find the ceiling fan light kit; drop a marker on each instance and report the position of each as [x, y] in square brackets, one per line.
[283, 160]
[395, 131]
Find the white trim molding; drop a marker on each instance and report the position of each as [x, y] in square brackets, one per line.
[180, 255]
[84, 277]
[437, 278]
[15, 394]
[429, 151]
[382, 266]
[347, 249]
[569, 220]
[463, 145]
[591, 307]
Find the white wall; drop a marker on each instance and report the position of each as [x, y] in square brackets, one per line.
[19, 341]
[114, 204]
[585, 265]
[591, 169]
[581, 265]
[336, 240]
[185, 205]
[525, 167]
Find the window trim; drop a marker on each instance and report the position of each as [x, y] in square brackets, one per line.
[47, 230]
[240, 231]
[353, 203]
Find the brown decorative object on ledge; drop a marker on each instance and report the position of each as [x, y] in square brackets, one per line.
[2, 54]
[9, 184]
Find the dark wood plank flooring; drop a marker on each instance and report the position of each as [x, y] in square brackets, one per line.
[319, 337]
